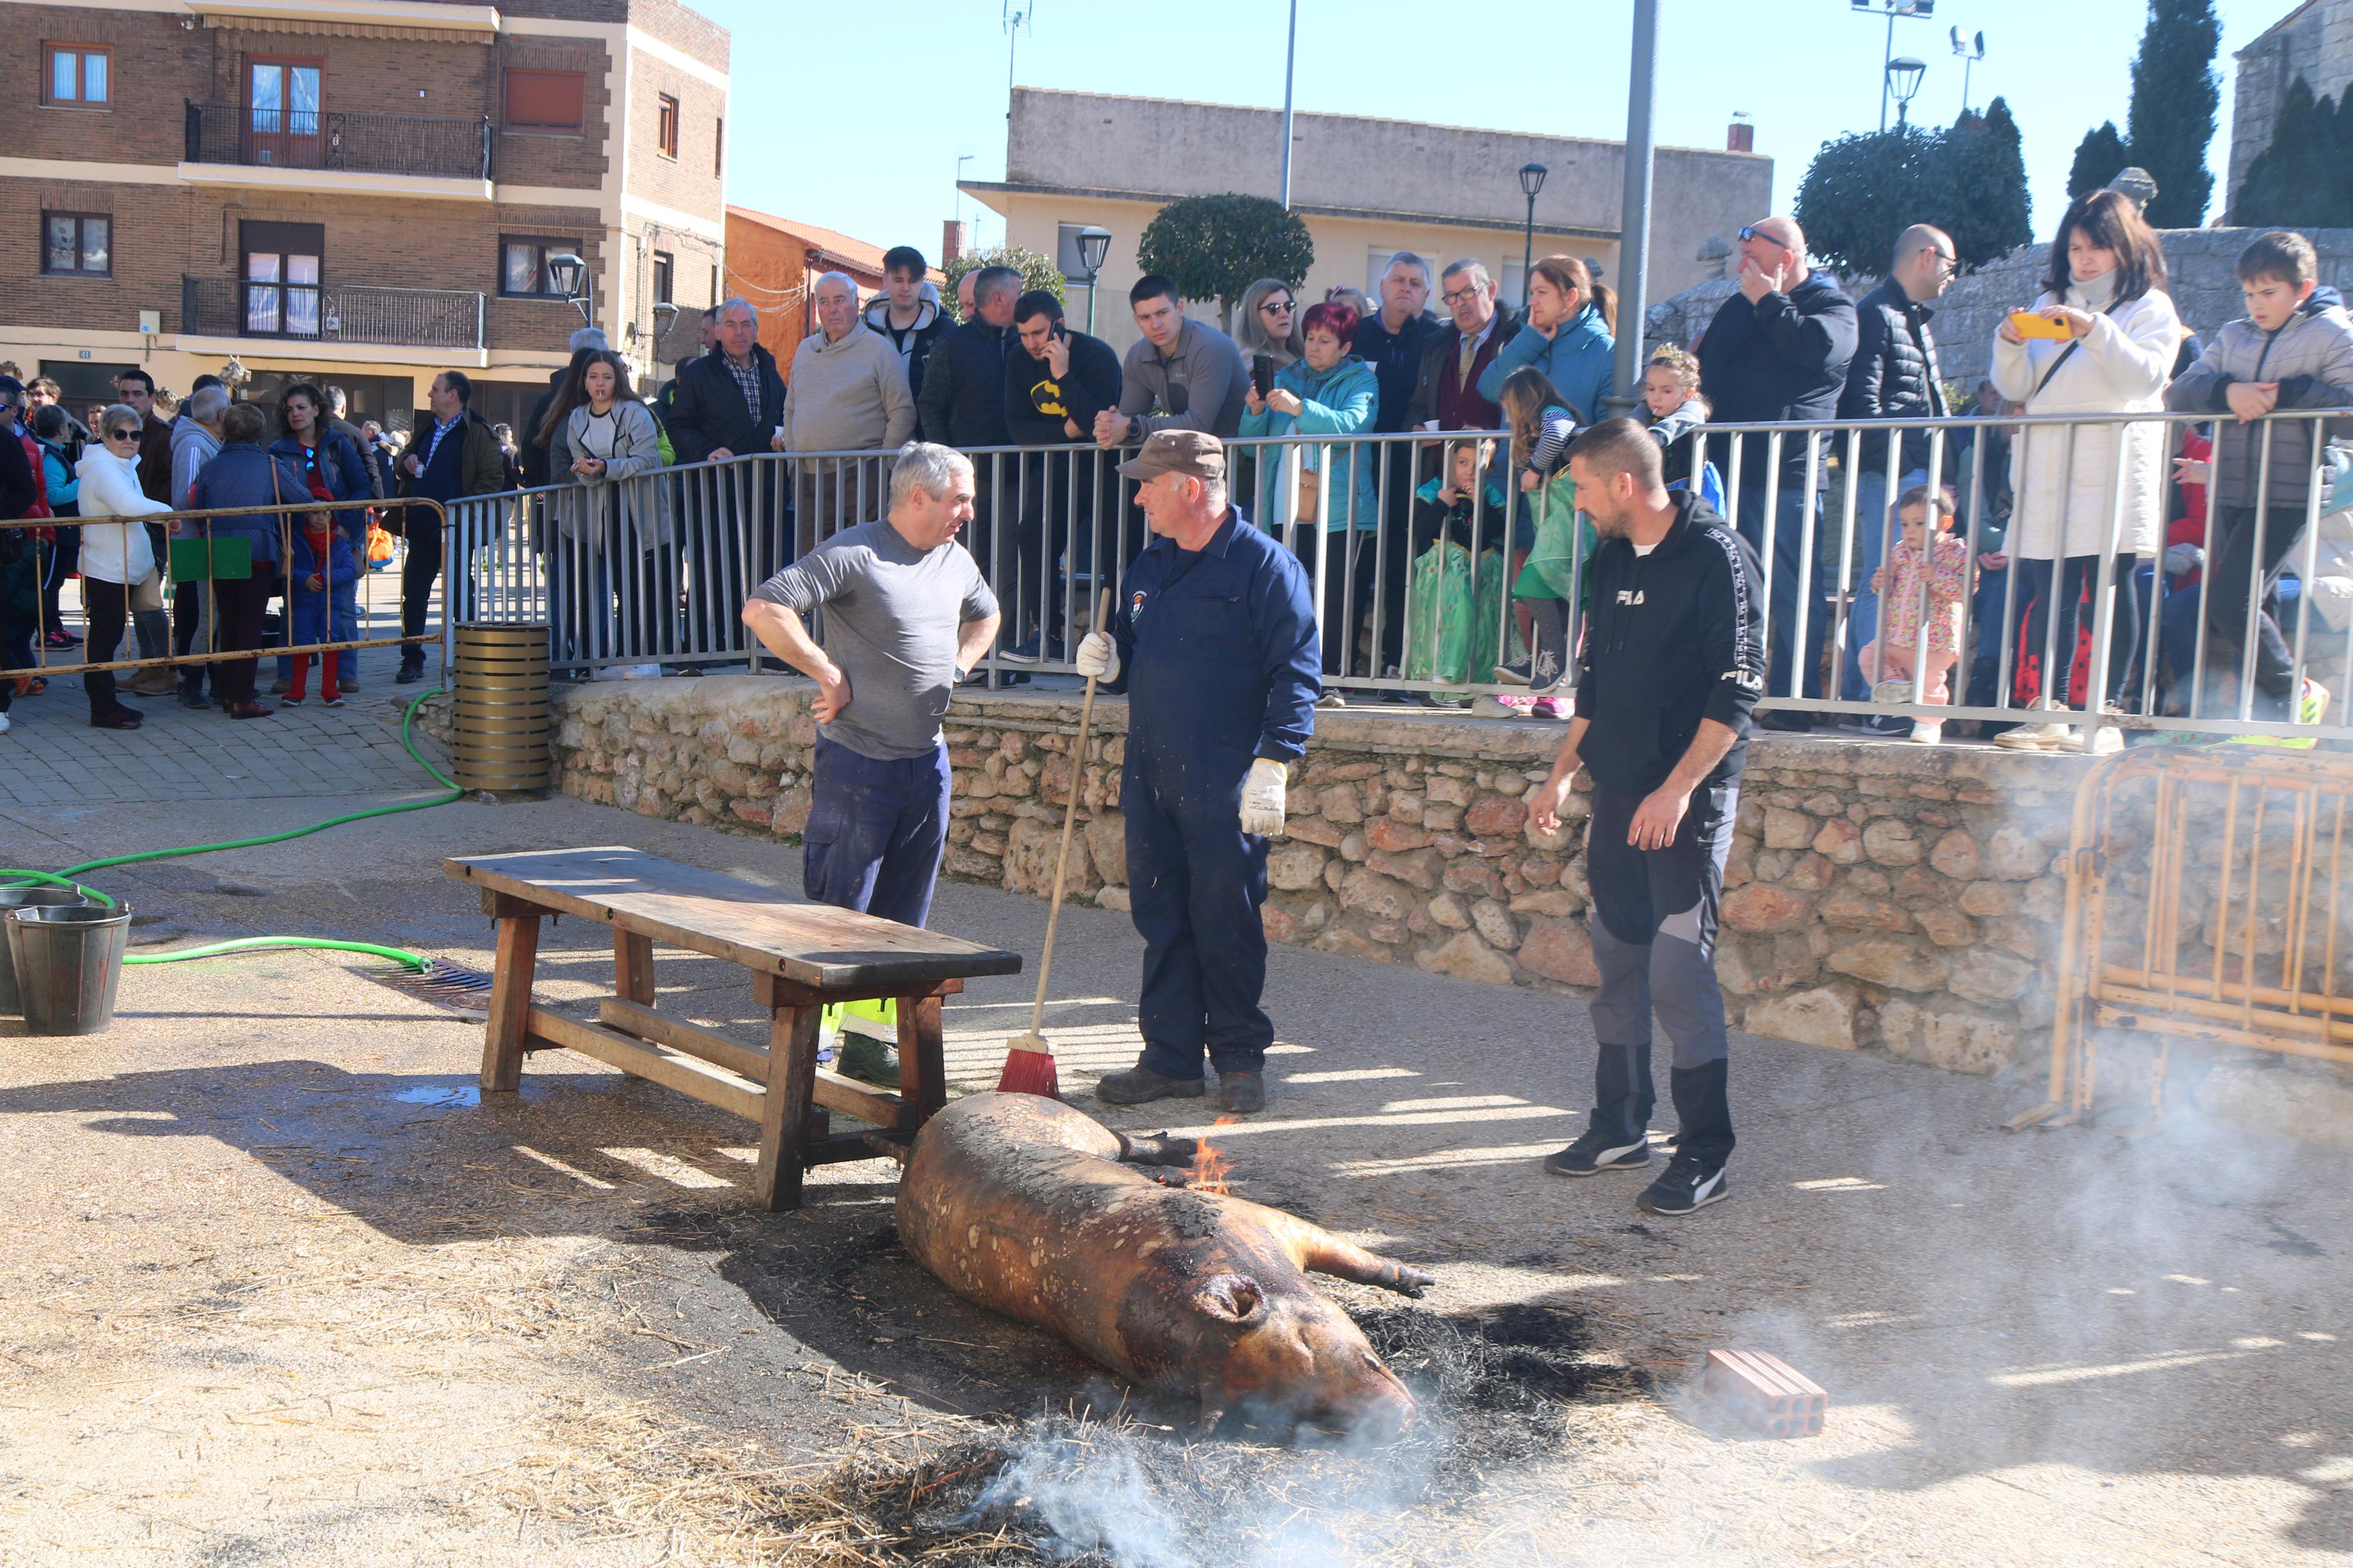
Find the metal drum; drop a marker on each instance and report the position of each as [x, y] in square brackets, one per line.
[501, 729]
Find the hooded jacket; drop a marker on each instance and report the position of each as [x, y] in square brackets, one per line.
[1578, 358]
[1894, 374]
[1673, 637]
[913, 343]
[1037, 402]
[963, 405]
[2311, 357]
[1341, 401]
[193, 447]
[1783, 358]
[114, 552]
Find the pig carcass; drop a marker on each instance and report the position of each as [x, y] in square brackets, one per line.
[1036, 1211]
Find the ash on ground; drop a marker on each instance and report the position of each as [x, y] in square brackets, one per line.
[1495, 1393]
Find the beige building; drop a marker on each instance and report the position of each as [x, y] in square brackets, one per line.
[362, 192]
[2314, 41]
[1366, 188]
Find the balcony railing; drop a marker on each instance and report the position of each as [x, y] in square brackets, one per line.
[331, 313]
[332, 139]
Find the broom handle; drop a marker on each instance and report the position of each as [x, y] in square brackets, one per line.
[1069, 820]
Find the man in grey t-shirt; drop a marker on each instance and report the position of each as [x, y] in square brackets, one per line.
[906, 614]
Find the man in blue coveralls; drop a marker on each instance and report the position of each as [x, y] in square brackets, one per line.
[1214, 642]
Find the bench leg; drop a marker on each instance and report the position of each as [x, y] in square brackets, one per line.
[633, 967]
[503, 1040]
[785, 1114]
[922, 1061]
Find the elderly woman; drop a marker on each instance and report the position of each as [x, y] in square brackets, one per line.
[242, 475]
[1267, 322]
[115, 556]
[614, 534]
[2105, 291]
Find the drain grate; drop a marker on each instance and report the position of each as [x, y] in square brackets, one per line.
[452, 986]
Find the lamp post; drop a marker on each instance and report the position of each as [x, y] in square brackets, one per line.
[566, 271]
[1971, 51]
[1634, 208]
[1904, 75]
[1290, 61]
[1891, 10]
[1532, 179]
[1094, 243]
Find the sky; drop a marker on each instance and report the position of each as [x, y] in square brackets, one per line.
[869, 143]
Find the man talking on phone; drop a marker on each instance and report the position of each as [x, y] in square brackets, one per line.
[1674, 660]
[1055, 385]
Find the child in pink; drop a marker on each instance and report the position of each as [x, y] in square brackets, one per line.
[1923, 514]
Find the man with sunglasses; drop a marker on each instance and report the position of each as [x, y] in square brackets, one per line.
[1895, 375]
[1778, 350]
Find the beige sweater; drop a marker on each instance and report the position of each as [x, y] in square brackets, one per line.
[848, 396]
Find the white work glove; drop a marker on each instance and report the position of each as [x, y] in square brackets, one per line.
[1099, 657]
[2182, 558]
[1263, 798]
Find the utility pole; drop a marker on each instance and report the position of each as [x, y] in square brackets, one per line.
[1634, 207]
[1289, 72]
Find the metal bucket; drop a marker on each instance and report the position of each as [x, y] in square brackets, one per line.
[501, 726]
[69, 961]
[12, 1004]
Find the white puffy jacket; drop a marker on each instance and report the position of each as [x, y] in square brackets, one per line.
[2062, 509]
[114, 552]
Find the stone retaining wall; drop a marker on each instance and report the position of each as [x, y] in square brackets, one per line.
[1880, 895]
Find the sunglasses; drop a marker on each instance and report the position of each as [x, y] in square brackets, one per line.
[1753, 232]
[122, 435]
[1277, 307]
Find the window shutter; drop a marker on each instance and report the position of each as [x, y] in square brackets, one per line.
[546, 101]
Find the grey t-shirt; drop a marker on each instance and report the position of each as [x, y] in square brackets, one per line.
[892, 615]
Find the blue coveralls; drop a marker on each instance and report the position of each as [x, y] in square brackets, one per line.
[1218, 656]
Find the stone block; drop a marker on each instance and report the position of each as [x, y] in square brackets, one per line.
[1889, 841]
[1113, 898]
[1441, 789]
[2046, 899]
[1339, 804]
[1495, 923]
[1840, 840]
[1809, 873]
[1955, 1041]
[1465, 957]
[1987, 899]
[1759, 908]
[1851, 910]
[1786, 829]
[1947, 926]
[1376, 896]
[1823, 1015]
[2015, 855]
[1496, 813]
[1313, 830]
[1278, 923]
[964, 861]
[1295, 867]
[1475, 876]
[1352, 846]
[1990, 976]
[1892, 962]
[1555, 903]
[1420, 867]
[1406, 808]
[1560, 950]
[1398, 838]
[1107, 844]
[1447, 911]
[792, 810]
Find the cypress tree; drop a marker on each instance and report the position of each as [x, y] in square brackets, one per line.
[2285, 184]
[2175, 93]
[2099, 157]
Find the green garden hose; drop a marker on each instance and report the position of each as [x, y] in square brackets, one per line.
[414, 960]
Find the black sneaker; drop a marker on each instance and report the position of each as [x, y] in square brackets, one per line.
[409, 674]
[1691, 1182]
[1788, 721]
[1594, 1152]
[1519, 672]
[1136, 1085]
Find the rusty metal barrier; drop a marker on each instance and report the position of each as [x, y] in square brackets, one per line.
[2206, 902]
[287, 512]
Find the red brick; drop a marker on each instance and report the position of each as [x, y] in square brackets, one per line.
[1768, 1395]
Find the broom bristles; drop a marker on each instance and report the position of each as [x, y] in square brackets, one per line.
[1028, 1068]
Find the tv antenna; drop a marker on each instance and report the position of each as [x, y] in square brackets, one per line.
[1016, 20]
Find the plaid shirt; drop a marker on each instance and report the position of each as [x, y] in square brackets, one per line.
[747, 376]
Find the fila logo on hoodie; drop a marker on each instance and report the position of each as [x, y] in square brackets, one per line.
[1630, 595]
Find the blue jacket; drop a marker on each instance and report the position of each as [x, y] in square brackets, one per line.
[1342, 401]
[65, 489]
[1219, 666]
[346, 474]
[311, 618]
[1578, 358]
[240, 474]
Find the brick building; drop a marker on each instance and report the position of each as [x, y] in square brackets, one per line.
[364, 192]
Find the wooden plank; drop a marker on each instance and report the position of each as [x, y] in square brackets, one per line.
[852, 1098]
[760, 928]
[633, 966]
[784, 1121]
[842, 1147]
[499, 906]
[693, 1040]
[504, 1039]
[923, 1057]
[712, 1086]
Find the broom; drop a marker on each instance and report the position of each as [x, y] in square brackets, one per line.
[1029, 1060]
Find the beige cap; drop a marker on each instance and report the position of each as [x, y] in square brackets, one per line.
[1194, 453]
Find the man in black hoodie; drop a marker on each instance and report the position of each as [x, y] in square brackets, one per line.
[1778, 351]
[1056, 382]
[1673, 662]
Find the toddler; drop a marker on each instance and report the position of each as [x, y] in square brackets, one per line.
[1672, 408]
[1926, 557]
[324, 564]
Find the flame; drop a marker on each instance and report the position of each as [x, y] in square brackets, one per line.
[1211, 1165]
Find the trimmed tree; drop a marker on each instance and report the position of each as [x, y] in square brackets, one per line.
[2300, 180]
[1861, 191]
[2100, 157]
[2175, 94]
[1213, 247]
[1984, 204]
[1037, 272]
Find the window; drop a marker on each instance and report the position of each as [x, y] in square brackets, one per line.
[666, 126]
[719, 146]
[523, 264]
[665, 278]
[282, 278]
[546, 101]
[76, 244]
[78, 74]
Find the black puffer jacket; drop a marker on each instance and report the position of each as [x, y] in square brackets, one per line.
[1895, 374]
[963, 403]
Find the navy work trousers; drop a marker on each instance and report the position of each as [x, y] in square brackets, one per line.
[1197, 882]
[875, 832]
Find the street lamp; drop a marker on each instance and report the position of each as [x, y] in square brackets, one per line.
[1532, 179]
[1094, 243]
[1970, 52]
[1891, 10]
[565, 270]
[1904, 75]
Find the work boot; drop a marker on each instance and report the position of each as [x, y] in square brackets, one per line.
[1139, 1083]
[1241, 1092]
[864, 1057]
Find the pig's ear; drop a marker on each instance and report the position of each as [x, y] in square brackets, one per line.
[1230, 1298]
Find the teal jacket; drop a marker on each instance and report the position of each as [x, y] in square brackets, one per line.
[1342, 401]
[1577, 358]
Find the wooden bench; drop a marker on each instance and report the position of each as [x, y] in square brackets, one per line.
[803, 957]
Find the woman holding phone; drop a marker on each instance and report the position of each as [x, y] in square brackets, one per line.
[2100, 340]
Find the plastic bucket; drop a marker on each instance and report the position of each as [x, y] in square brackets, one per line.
[11, 1004]
[69, 961]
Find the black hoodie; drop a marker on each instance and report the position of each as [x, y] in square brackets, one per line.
[1675, 637]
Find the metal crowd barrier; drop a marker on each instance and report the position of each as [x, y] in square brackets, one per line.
[651, 572]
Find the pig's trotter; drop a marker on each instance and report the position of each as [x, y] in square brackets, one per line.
[1318, 1249]
[1156, 1149]
[1166, 1177]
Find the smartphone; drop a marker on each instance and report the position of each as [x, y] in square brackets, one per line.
[2026, 324]
[1263, 374]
